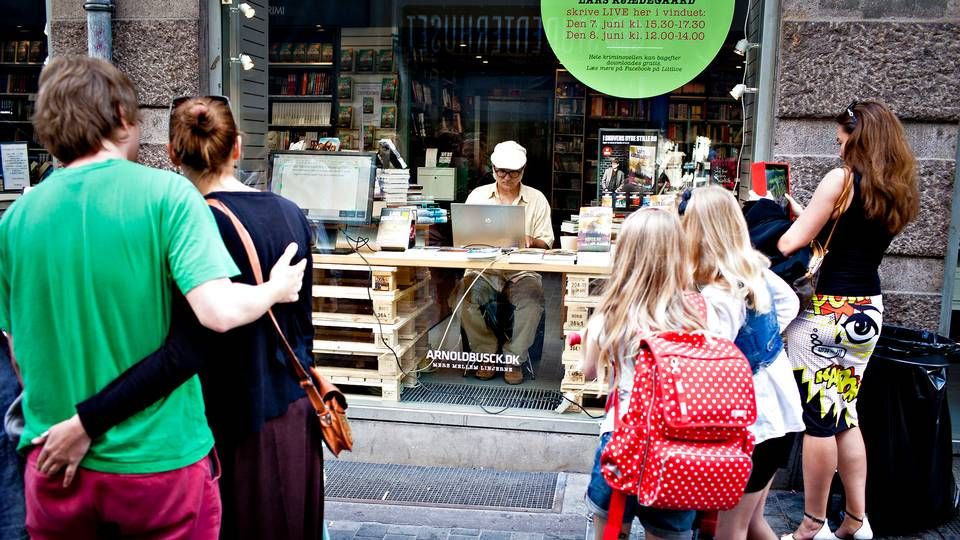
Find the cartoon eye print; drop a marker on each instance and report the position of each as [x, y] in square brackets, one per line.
[861, 327]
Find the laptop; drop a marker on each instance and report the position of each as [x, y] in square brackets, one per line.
[488, 225]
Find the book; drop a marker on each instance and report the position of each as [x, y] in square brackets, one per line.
[37, 49]
[313, 52]
[299, 52]
[526, 256]
[388, 89]
[345, 116]
[595, 228]
[285, 53]
[346, 59]
[385, 61]
[366, 58]
[388, 117]
[397, 230]
[345, 88]
[369, 139]
[23, 52]
[10, 51]
[326, 53]
[348, 139]
[559, 256]
[367, 104]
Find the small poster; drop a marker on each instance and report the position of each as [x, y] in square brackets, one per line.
[15, 166]
[627, 161]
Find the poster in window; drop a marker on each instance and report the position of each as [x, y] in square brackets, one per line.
[627, 161]
[365, 60]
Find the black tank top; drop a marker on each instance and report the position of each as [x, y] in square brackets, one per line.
[851, 266]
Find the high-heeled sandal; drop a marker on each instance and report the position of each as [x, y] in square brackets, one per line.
[823, 534]
[865, 532]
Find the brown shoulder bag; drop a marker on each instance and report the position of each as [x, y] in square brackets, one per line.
[327, 400]
[806, 285]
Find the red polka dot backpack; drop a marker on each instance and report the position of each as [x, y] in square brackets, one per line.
[683, 442]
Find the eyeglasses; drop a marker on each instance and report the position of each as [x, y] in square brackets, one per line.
[178, 101]
[853, 117]
[504, 173]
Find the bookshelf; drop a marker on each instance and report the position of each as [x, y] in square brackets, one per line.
[302, 85]
[569, 120]
[368, 89]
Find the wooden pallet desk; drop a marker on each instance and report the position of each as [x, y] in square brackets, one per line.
[365, 308]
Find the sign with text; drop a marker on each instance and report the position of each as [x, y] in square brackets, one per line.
[636, 48]
[15, 165]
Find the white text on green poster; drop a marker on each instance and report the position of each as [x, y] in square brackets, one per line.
[636, 48]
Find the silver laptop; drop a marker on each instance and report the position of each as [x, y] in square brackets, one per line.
[488, 225]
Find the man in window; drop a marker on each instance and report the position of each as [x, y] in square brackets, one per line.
[506, 307]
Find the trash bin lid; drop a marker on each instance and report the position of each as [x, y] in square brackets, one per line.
[915, 347]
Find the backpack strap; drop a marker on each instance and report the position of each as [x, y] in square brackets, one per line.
[618, 505]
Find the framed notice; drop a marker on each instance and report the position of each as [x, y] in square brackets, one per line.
[15, 166]
[627, 161]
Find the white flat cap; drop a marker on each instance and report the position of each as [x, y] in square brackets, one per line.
[509, 155]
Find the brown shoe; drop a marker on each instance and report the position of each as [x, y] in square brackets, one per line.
[485, 374]
[514, 376]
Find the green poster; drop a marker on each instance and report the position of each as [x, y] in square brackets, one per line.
[636, 48]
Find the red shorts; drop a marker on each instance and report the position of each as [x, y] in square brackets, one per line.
[179, 504]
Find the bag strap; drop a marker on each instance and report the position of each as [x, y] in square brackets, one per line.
[306, 382]
[843, 198]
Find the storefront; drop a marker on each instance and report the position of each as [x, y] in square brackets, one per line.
[611, 123]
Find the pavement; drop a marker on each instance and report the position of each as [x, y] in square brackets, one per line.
[369, 521]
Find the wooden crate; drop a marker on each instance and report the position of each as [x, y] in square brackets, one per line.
[347, 379]
[412, 319]
[359, 293]
[584, 289]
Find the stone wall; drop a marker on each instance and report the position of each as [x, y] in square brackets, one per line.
[159, 44]
[904, 53]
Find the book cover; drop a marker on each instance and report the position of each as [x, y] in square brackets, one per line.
[313, 52]
[326, 53]
[345, 116]
[365, 60]
[595, 228]
[299, 53]
[36, 51]
[285, 53]
[274, 51]
[367, 104]
[559, 255]
[397, 228]
[346, 59]
[345, 88]
[388, 117]
[388, 89]
[385, 61]
[369, 138]
[23, 52]
[348, 139]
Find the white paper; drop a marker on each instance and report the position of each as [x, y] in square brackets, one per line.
[16, 166]
[431, 159]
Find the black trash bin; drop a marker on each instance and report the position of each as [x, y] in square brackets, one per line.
[905, 420]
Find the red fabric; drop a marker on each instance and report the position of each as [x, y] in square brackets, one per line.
[683, 442]
[179, 504]
[618, 504]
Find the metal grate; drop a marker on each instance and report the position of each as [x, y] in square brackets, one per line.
[484, 396]
[443, 487]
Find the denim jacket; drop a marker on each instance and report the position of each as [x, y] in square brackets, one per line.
[759, 338]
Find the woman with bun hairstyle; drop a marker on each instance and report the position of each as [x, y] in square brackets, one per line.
[864, 204]
[266, 433]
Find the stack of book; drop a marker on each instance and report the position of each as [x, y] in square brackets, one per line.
[396, 183]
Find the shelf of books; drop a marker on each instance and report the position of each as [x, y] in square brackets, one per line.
[301, 86]
[368, 89]
[569, 115]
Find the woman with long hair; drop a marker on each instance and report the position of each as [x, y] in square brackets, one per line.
[649, 291]
[869, 200]
[266, 433]
[750, 305]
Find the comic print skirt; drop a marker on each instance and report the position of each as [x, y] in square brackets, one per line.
[829, 346]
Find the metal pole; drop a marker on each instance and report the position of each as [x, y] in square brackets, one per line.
[99, 33]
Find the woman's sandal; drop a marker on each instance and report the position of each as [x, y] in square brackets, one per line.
[823, 534]
[865, 532]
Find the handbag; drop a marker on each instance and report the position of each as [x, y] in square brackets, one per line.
[806, 285]
[327, 400]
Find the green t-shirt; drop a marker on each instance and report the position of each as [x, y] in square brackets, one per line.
[88, 261]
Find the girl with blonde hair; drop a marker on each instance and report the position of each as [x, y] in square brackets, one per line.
[649, 291]
[860, 207]
[749, 305]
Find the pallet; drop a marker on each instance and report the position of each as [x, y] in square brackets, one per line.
[386, 307]
[411, 320]
[577, 317]
[584, 289]
[390, 387]
[380, 278]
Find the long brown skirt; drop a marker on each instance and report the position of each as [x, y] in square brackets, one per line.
[272, 483]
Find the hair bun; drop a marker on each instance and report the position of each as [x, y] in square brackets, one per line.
[200, 117]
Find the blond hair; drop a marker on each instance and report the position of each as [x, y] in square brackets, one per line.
[82, 103]
[647, 291]
[719, 247]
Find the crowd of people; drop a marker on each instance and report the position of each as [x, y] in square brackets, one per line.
[163, 378]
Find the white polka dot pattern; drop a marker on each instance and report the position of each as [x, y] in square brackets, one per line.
[683, 442]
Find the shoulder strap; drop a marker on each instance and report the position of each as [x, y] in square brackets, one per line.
[847, 184]
[306, 382]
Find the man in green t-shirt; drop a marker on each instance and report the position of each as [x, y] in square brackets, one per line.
[88, 262]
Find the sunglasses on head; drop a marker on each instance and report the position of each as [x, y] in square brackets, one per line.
[853, 117]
